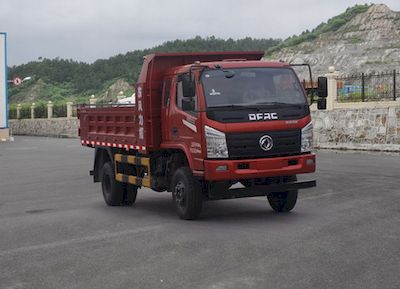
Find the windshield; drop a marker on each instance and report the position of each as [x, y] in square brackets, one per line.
[251, 87]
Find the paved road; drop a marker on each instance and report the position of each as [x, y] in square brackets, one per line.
[56, 232]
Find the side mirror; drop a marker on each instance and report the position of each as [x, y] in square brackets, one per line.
[322, 90]
[188, 104]
[188, 87]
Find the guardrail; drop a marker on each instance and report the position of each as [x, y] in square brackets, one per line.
[42, 110]
[368, 87]
[45, 110]
[55, 110]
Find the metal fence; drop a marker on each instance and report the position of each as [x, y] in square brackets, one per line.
[40, 111]
[368, 87]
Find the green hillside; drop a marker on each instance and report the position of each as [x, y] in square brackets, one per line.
[59, 80]
[332, 25]
[62, 79]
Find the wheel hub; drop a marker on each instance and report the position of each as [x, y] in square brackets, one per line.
[180, 193]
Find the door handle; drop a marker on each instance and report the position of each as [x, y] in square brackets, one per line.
[174, 130]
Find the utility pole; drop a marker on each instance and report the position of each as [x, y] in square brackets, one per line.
[4, 129]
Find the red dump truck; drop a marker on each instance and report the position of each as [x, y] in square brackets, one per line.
[205, 126]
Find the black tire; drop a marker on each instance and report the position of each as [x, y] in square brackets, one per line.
[113, 191]
[187, 194]
[252, 182]
[282, 201]
[246, 183]
[129, 195]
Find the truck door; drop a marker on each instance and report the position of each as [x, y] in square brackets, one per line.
[185, 124]
[168, 90]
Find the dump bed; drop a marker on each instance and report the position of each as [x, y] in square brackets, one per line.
[108, 125]
[139, 126]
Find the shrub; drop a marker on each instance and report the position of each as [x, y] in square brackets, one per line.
[41, 110]
[25, 111]
[59, 110]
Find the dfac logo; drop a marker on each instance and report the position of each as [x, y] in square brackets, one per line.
[266, 143]
[263, 116]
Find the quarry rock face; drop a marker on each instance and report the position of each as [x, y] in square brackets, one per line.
[369, 42]
[112, 92]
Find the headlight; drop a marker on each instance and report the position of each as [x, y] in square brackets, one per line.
[216, 143]
[307, 138]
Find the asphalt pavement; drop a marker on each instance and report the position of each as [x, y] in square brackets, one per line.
[57, 232]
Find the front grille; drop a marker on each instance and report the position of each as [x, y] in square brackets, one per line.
[247, 144]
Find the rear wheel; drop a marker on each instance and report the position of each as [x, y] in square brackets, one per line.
[186, 193]
[116, 193]
[253, 182]
[282, 201]
[129, 195]
[112, 190]
[246, 183]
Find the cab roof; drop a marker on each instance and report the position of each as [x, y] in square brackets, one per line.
[228, 64]
[158, 64]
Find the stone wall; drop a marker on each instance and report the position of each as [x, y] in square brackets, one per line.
[55, 127]
[364, 129]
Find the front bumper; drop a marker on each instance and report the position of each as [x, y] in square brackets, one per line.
[261, 190]
[258, 168]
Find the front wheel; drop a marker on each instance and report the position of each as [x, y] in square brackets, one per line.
[282, 201]
[186, 193]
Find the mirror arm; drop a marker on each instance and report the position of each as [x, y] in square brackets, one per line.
[196, 66]
[312, 90]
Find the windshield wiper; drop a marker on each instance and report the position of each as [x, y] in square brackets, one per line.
[256, 106]
[279, 104]
[232, 106]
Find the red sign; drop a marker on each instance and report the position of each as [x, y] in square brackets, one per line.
[17, 81]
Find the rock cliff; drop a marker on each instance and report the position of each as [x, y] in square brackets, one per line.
[369, 42]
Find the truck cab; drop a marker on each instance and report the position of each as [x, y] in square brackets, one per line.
[238, 119]
[206, 126]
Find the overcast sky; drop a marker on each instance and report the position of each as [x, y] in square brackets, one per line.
[88, 29]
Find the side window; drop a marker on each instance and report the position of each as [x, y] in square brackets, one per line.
[167, 91]
[180, 99]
